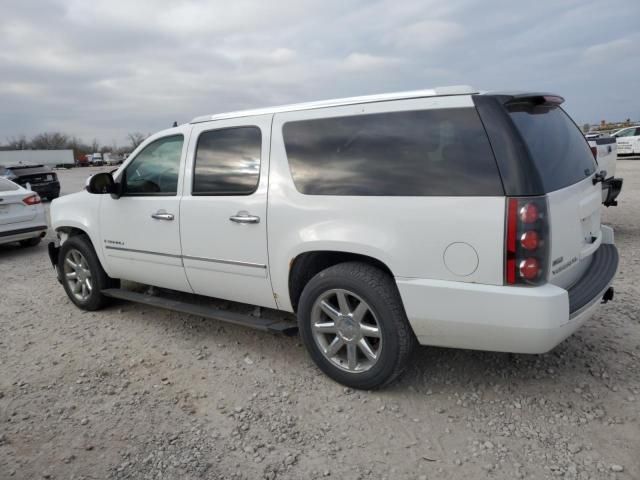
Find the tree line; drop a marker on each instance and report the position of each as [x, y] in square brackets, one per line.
[62, 141]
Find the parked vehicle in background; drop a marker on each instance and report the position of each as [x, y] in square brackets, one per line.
[38, 178]
[97, 160]
[112, 158]
[628, 140]
[22, 216]
[441, 217]
[50, 158]
[605, 151]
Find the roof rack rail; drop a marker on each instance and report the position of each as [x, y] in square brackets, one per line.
[433, 92]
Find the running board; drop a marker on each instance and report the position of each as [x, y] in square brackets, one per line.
[265, 324]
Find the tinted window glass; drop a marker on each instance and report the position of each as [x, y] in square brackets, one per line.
[416, 153]
[557, 147]
[227, 162]
[155, 169]
[7, 186]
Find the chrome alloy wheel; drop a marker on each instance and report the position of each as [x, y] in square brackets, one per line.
[346, 330]
[77, 274]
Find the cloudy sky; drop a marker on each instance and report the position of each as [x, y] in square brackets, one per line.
[100, 69]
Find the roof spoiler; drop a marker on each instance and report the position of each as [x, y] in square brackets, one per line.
[542, 99]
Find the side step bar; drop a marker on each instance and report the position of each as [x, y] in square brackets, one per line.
[265, 324]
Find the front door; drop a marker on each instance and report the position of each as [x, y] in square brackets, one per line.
[140, 231]
[223, 213]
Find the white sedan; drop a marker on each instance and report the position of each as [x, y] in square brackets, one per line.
[628, 141]
[22, 216]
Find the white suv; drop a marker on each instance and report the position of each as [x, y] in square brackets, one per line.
[439, 217]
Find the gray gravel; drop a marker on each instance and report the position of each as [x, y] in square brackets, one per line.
[137, 393]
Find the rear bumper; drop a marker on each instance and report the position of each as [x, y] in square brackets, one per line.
[505, 318]
[610, 190]
[24, 233]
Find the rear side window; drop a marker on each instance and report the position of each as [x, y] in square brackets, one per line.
[556, 146]
[413, 153]
[227, 162]
[7, 186]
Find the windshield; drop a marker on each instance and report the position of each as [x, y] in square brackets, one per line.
[557, 147]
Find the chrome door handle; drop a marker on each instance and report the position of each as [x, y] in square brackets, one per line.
[162, 215]
[244, 217]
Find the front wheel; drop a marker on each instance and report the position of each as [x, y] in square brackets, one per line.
[82, 274]
[354, 326]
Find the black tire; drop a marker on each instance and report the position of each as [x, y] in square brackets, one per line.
[100, 280]
[380, 292]
[30, 242]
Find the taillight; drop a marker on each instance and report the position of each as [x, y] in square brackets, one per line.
[526, 241]
[594, 150]
[32, 199]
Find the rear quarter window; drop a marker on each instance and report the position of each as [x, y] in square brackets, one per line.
[559, 151]
[440, 152]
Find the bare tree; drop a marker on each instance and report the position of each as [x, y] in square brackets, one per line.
[18, 143]
[136, 138]
[50, 141]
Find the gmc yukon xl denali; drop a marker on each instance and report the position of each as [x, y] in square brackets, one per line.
[437, 217]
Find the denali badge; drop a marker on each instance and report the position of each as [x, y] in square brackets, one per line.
[113, 242]
[562, 268]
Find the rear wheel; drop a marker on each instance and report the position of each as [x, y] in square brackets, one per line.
[354, 325]
[82, 274]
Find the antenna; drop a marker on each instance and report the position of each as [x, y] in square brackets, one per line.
[175, 124]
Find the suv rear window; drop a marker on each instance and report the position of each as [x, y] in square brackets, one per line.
[442, 152]
[556, 146]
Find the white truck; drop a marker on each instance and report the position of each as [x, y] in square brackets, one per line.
[440, 217]
[628, 140]
[50, 158]
[605, 151]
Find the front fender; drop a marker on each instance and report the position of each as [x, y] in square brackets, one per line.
[78, 211]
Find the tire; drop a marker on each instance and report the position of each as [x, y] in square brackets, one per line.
[384, 325]
[87, 261]
[30, 242]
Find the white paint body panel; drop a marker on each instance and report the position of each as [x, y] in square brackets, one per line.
[224, 259]
[446, 253]
[153, 250]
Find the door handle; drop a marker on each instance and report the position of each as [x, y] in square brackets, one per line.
[244, 217]
[162, 215]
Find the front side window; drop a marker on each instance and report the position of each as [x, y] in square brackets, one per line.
[409, 153]
[155, 169]
[227, 162]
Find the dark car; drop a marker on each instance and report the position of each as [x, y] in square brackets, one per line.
[39, 178]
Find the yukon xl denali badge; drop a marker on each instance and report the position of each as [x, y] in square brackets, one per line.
[113, 242]
[564, 266]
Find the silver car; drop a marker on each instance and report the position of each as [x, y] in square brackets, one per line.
[22, 216]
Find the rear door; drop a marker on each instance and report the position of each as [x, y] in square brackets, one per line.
[223, 226]
[566, 166]
[12, 208]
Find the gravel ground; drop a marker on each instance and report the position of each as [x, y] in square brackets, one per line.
[138, 393]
